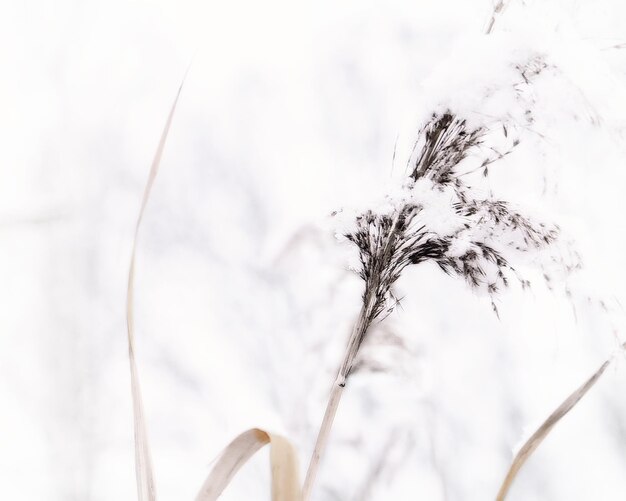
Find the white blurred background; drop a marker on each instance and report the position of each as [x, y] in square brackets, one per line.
[244, 299]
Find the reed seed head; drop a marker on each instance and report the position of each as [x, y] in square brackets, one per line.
[476, 232]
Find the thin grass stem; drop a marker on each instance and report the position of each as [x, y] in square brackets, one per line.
[356, 338]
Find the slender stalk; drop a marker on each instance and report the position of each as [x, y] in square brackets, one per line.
[497, 9]
[322, 437]
[356, 338]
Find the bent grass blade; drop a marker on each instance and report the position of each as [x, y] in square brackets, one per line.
[283, 461]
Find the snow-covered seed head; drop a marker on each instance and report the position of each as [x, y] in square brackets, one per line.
[473, 242]
[443, 143]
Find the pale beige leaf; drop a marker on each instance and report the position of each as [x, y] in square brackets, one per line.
[283, 462]
[146, 490]
[533, 442]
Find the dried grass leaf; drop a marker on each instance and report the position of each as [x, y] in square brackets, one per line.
[283, 460]
[533, 442]
[146, 490]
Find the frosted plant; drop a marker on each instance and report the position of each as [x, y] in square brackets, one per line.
[436, 216]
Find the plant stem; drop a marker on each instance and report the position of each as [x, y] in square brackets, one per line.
[497, 9]
[322, 437]
[356, 338]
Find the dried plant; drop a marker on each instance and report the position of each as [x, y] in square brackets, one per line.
[546, 427]
[436, 217]
[146, 487]
[283, 461]
[498, 8]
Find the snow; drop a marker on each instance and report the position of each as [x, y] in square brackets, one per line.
[244, 297]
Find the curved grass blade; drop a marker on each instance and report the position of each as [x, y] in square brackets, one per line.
[533, 442]
[146, 490]
[283, 461]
